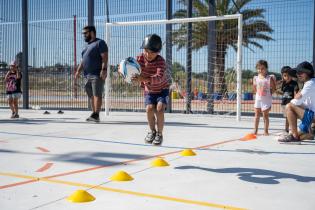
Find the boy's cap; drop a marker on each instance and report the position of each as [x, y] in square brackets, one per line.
[152, 42]
[305, 67]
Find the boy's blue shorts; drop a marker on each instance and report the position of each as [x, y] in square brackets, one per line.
[306, 121]
[155, 98]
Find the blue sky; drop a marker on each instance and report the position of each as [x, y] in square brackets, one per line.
[52, 41]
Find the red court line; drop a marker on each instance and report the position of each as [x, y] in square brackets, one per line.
[115, 164]
[45, 167]
[133, 160]
[17, 184]
[2, 141]
[42, 149]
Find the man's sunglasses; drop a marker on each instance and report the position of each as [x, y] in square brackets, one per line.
[85, 32]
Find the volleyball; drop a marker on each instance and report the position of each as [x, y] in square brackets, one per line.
[128, 68]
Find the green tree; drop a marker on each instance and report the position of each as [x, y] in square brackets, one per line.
[255, 28]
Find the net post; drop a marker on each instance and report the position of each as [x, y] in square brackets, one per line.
[108, 79]
[239, 67]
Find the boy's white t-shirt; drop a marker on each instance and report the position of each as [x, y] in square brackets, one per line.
[308, 96]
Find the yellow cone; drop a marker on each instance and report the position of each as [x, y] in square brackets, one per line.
[121, 176]
[159, 162]
[187, 152]
[81, 196]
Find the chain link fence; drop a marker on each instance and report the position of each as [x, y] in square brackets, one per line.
[279, 31]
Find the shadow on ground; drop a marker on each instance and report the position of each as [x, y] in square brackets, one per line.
[255, 175]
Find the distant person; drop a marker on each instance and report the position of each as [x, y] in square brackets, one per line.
[94, 65]
[289, 89]
[263, 85]
[176, 88]
[303, 105]
[153, 79]
[13, 88]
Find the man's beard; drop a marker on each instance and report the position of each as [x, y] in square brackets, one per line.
[87, 39]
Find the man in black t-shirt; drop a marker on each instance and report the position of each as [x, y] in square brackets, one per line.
[94, 64]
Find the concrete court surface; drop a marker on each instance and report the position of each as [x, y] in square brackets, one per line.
[46, 158]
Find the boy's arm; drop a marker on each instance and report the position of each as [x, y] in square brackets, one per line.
[279, 87]
[158, 77]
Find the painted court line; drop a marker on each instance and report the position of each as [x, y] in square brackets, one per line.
[115, 164]
[134, 160]
[128, 192]
[45, 167]
[42, 149]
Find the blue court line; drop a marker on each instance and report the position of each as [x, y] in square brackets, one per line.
[88, 139]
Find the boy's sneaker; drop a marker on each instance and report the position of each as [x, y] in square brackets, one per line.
[158, 139]
[93, 118]
[16, 115]
[150, 137]
[12, 115]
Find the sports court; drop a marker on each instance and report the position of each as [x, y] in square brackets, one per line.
[46, 158]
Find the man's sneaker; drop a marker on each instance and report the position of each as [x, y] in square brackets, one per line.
[93, 118]
[158, 139]
[150, 137]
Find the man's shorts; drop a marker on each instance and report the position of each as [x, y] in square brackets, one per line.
[155, 98]
[14, 95]
[94, 86]
[306, 121]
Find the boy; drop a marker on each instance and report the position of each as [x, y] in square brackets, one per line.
[289, 89]
[154, 79]
[13, 88]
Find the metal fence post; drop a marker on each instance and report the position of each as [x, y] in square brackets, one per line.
[169, 48]
[189, 61]
[25, 79]
[211, 38]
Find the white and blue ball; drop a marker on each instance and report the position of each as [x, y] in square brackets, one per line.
[128, 68]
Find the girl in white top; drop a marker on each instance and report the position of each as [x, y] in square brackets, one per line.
[263, 85]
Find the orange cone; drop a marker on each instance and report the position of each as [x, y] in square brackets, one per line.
[248, 137]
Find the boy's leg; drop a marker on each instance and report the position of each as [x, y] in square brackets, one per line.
[266, 121]
[257, 118]
[160, 116]
[150, 109]
[162, 101]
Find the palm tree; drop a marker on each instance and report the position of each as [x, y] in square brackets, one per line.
[255, 28]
